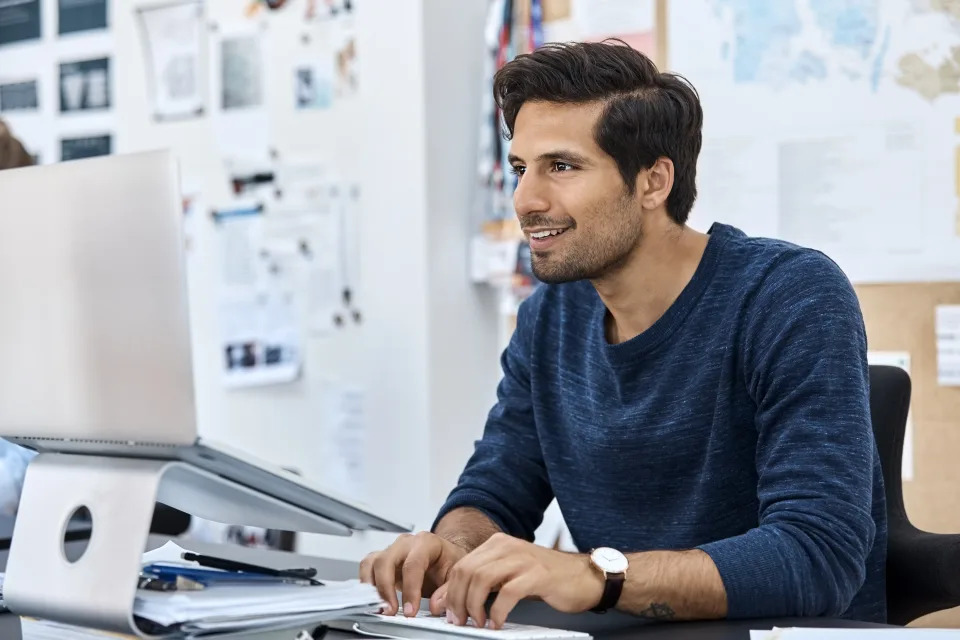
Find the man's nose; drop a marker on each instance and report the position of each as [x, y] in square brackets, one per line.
[530, 196]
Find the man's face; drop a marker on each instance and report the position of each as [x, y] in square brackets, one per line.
[571, 200]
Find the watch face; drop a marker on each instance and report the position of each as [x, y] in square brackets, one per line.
[609, 560]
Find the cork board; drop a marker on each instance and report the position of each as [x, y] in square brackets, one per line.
[900, 317]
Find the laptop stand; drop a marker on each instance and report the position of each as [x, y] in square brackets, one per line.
[98, 590]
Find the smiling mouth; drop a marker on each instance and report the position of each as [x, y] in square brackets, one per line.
[540, 235]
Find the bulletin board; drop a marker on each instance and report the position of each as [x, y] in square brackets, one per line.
[253, 103]
[901, 317]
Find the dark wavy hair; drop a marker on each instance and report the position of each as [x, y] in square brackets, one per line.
[12, 153]
[648, 114]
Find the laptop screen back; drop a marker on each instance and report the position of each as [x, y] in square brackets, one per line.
[94, 328]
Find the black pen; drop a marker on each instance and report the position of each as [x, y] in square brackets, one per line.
[233, 565]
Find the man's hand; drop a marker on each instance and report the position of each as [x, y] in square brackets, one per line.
[517, 569]
[418, 563]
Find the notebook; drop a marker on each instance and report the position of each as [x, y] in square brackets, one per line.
[431, 627]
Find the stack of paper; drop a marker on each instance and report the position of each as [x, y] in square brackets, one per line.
[235, 608]
[796, 633]
[221, 607]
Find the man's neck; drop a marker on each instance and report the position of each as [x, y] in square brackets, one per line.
[642, 290]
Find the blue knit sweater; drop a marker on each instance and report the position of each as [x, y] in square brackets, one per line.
[738, 424]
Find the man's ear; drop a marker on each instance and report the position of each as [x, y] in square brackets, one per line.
[654, 184]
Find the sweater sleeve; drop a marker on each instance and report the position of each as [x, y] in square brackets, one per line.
[505, 478]
[804, 362]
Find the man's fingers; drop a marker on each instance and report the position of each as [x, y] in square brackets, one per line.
[423, 553]
[366, 568]
[384, 579]
[385, 567]
[510, 594]
[485, 581]
[461, 575]
[457, 581]
[438, 601]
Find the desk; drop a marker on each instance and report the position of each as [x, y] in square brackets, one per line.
[721, 630]
[613, 625]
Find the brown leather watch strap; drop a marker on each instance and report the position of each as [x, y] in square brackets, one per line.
[612, 589]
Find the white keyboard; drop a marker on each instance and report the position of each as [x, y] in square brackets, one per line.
[402, 626]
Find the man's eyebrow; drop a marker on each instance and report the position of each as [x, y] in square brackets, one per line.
[562, 155]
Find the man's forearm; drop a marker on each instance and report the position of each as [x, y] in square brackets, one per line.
[673, 585]
[467, 528]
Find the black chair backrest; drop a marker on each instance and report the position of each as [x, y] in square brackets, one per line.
[922, 575]
[889, 406]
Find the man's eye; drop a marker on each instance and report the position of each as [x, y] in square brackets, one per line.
[517, 170]
[562, 166]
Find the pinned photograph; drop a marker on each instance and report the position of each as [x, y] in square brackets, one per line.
[19, 21]
[82, 15]
[313, 87]
[85, 85]
[19, 96]
[241, 73]
[85, 147]
[347, 68]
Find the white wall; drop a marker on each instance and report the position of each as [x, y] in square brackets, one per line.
[463, 320]
[424, 350]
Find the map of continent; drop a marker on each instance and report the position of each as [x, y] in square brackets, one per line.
[782, 42]
[934, 69]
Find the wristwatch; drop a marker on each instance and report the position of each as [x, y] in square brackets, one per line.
[613, 565]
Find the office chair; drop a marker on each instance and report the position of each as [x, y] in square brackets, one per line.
[169, 521]
[923, 569]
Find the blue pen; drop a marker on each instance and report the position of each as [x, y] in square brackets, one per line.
[169, 572]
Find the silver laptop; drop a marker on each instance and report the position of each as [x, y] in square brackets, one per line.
[95, 353]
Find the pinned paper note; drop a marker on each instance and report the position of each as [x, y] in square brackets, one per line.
[346, 436]
[900, 359]
[241, 121]
[173, 40]
[260, 342]
[948, 345]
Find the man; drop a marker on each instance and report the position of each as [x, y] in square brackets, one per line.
[697, 404]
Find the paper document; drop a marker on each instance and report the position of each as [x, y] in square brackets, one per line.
[259, 332]
[308, 239]
[610, 17]
[173, 39]
[236, 604]
[241, 119]
[836, 208]
[346, 433]
[799, 633]
[899, 359]
[633, 21]
[226, 608]
[737, 178]
[948, 345]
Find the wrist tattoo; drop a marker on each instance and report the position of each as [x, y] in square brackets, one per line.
[658, 611]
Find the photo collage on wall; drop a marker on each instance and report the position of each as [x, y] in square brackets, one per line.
[60, 72]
